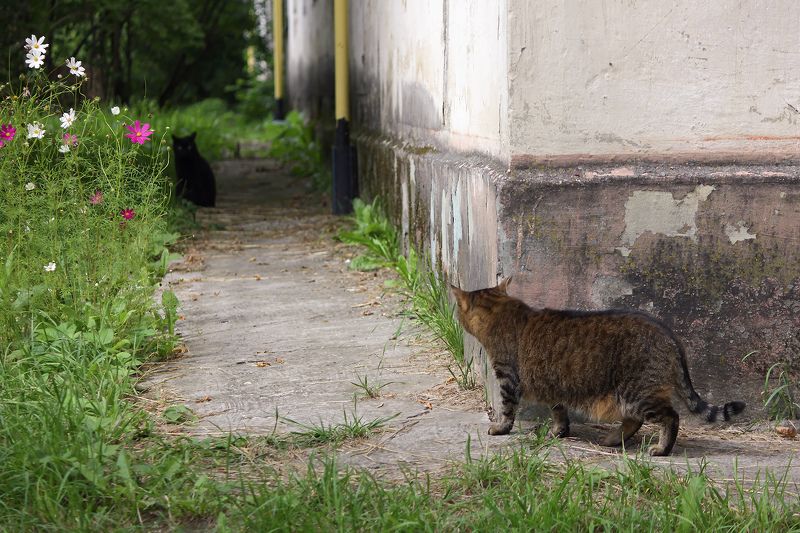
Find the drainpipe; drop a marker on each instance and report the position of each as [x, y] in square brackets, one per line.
[278, 42]
[345, 181]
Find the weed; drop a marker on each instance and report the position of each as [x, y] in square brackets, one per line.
[779, 391]
[373, 231]
[369, 389]
[179, 414]
[353, 427]
[426, 292]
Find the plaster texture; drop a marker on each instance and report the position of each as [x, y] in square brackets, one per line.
[309, 58]
[643, 77]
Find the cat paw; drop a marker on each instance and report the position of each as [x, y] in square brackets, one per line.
[499, 429]
[560, 432]
[611, 440]
[657, 451]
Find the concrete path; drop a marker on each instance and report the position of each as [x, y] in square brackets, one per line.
[274, 322]
[277, 329]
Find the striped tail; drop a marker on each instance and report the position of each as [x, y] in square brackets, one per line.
[696, 404]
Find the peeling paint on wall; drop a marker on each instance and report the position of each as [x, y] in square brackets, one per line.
[446, 220]
[404, 213]
[660, 212]
[607, 289]
[458, 234]
[739, 232]
[432, 226]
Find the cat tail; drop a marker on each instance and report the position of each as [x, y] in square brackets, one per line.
[694, 402]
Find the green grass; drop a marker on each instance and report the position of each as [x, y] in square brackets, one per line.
[369, 389]
[353, 427]
[75, 453]
[779, 391]
[426, 291]
[518, 490]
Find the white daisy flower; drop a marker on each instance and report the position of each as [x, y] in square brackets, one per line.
[75, 67]
[50, 267]
[34, 60]
[67, 119]
[115, 110]
[64, 148]
[35, 131]
[30, 186]
[36, 45]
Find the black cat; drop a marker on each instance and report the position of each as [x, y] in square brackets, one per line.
[195, 180]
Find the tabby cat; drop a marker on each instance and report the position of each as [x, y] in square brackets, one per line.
[612, 365]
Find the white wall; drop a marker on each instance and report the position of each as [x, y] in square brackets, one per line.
[477, 76]
[654, 76]
[309, 56]
[431, 72]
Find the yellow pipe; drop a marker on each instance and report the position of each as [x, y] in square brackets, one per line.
[340, 60]
[277, 38]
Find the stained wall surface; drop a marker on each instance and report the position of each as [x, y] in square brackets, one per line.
[653, 77]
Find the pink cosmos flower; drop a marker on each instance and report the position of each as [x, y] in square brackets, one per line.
[7, 132]
[96, 198]
[139, 133]
[128, 214]
[69, 140]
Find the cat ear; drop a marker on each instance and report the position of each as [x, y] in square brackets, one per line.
[193, 135]
[503, 286]
[461, 296]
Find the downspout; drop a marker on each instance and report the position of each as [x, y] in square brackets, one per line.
[345, 180]
[278, 55]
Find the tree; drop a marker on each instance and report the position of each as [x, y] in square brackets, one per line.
[177, 51]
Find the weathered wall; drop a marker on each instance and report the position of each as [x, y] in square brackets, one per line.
[431, 72]
[653, 78]
[710, 250]
[309, 57]
[446, 207]
[487, 127]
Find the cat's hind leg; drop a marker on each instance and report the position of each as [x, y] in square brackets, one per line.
[620, 434]
[560, 427]
[665, 416]
[510, 392]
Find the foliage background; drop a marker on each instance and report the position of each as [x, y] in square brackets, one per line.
[173, 52]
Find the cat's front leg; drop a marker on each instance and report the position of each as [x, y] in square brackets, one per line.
[560, 427]
[510, 392]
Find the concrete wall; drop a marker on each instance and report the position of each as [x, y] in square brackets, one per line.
[712, 250]
[309, 57]
[431, 72]
[653, 78]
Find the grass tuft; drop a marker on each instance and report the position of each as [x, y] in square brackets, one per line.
[426, 291]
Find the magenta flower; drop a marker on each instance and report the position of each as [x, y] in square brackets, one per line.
[7, 132]
[96, 198]
[69, 140]
[128, 214]
[139, 133]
